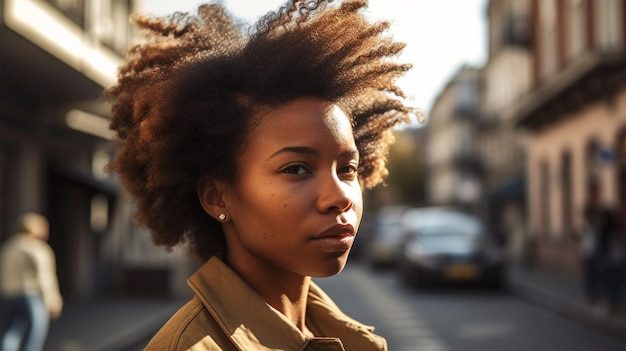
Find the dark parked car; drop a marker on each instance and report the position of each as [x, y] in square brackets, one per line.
[445, 246]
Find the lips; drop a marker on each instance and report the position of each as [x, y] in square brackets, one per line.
[338, 238]
[336, 231]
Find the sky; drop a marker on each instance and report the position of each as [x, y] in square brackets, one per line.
[441, 35]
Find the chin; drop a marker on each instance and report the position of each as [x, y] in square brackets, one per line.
[330, 267]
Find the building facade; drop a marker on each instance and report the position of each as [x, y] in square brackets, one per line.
[452, 165]
[575, 114]
[506, 77]
[475, 151]
[550, 118]
[57, 57]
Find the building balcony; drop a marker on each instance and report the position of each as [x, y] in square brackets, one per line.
[593, 76]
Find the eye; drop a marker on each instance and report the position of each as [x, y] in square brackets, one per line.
[295, 168]
[349, 171]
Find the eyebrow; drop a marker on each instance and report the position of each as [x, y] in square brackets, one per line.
[296, 149]
[352, 153]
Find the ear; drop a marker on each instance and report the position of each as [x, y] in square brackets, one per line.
[211, 196]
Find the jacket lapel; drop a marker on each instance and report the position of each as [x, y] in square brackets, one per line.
[331, 321]
[243, 315]
[252, 324]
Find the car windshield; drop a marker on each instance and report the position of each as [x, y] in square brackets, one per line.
[450, 238]
[431, 218]
[445, 230]
[459, 228]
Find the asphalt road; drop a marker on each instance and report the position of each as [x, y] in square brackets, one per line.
[446, 319]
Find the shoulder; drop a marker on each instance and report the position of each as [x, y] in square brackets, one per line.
[191, 328]
[28, 245]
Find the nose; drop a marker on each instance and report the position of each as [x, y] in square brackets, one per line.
[335, 195]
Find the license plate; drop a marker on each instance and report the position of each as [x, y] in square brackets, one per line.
[461, 271]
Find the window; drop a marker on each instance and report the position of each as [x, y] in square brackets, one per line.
[544, 198]
[548, 36]
[577, 27]
[72, 9]
[110, 24]
[566, 192]
[609, 22]
[590, 160]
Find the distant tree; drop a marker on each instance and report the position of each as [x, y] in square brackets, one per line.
[406, 175]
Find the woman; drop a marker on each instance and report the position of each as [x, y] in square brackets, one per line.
[252, 146]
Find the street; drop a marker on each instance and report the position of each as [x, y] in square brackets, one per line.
[455, 320]
[423, 320]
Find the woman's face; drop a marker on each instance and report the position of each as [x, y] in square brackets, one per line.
[297, 204]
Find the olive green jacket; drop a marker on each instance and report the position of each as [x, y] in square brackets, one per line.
[226, 314]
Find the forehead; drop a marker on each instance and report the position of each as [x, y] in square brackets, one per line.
[302, 119]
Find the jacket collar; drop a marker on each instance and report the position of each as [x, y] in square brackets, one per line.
[251, 323]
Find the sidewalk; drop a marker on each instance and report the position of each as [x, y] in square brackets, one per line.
[109, 324]
[564, 296]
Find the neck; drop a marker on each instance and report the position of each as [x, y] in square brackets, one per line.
[287, 292]
[291, 301]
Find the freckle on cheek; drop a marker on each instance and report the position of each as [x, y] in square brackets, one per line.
[285, 205]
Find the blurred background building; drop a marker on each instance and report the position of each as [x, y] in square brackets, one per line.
[475, 110]
[576, 116]
[506, 77]
[56, 58]
[551, 115]
[451, 163]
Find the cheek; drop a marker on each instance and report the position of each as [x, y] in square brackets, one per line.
[264, 204]
[356, 194]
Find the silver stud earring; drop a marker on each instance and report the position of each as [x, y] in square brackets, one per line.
[222, 216]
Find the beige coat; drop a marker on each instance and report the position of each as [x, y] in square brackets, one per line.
[28, 268]
[226, 314]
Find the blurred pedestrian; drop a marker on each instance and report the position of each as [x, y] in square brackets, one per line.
[28, 285]
[603, 249]
[252, 145]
